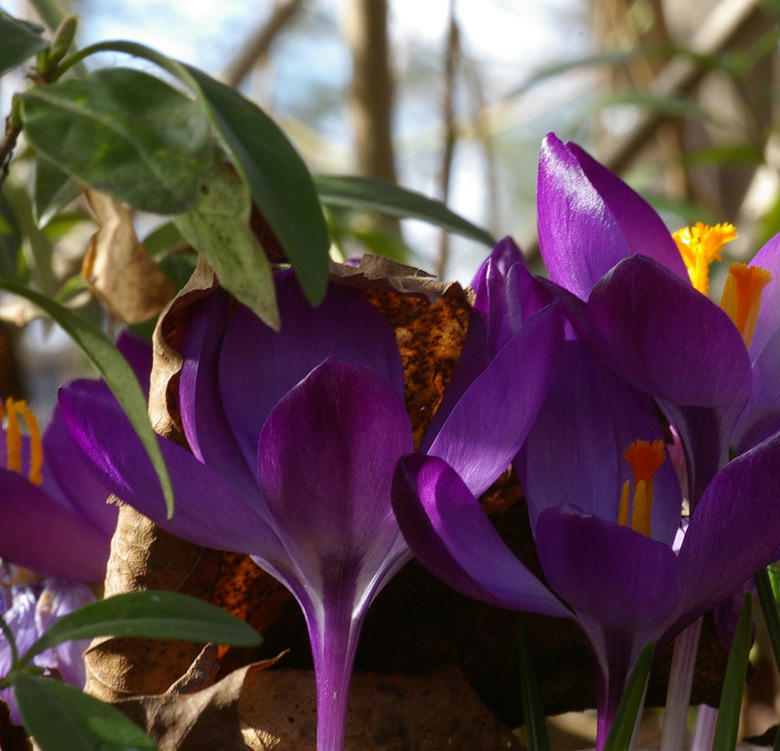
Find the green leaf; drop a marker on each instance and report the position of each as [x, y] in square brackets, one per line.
[219, 230]
[125, 133]
[115, 370]
[19, 40]
[533, 711]
[150, 614]
[62, 718]
[280, 184]
[727, 725]
[386, 198]
[54, 189]
[622, 729]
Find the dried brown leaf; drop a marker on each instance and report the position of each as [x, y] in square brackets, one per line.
[205, 720]
[117, 268]
[386, 713]
[430, 337]
[145, 557]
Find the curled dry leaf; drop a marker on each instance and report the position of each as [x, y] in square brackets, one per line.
[117, 268]
[386, 713]
[202, 720]
[145, 557]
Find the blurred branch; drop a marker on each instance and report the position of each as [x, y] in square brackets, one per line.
[677, 78]
[256, 48]
[451, 62]
[371, 92]
[682, 75]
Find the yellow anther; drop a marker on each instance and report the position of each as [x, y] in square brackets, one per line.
[644, 458]
[742, 297]
[699, 246]
[13, 439]
[624, 504]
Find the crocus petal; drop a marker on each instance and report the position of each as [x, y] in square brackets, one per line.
[589, 220]
[58, 598]
[21, 620]
[763, 407]
[138, 353]
[68, 476]
[644, 231]
[609, 572]
[208, 510]
[571, 457]
[733, 532]
[491, 420]
[666, 338]
[453, 538]
[259, 366]
[506, 298]
[40, 534]
[325, 461]
[768, 321]
[205, 424]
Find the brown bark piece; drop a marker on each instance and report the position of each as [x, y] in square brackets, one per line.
[386, 713]
[117, 268]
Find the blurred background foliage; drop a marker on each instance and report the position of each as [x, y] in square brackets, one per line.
[450, 98]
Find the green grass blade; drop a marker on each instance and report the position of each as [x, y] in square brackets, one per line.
[727, 726]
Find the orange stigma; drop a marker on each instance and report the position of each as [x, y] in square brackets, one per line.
[13, 439]
[699, 246]
[645, 459]
[742, 297]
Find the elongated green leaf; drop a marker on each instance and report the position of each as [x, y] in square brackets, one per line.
[386, 198]
[18, 41]
[115, 370]
[54, 189]
[150, 614]
[533, 711]
[619, 738]
[279, 181]
[218, 228]
[672, 106]
[125, 133]
[62, 718]
[727, 725]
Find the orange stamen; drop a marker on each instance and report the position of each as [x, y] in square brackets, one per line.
[645, 459]
[742, 297]
[699, 246]
[13, 436]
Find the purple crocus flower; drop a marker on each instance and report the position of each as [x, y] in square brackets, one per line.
[294, 438]
[56, 531]
[712, 370]
[604, 525]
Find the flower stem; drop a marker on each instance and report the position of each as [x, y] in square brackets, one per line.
[334, 635]
[704, 733]
[678, 695]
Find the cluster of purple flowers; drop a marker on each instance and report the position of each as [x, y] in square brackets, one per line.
[642, 420]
